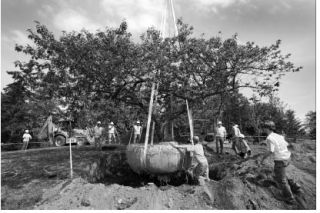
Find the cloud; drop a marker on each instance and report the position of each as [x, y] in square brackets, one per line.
[30, 1]
[45, 11]
[140, 14]
[215, 5]
[70, 19]
[20, 37]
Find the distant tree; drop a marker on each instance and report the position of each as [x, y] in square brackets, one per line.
[20, 110]
[294, 127]
[311, 124]
[13, 112]
[237, 109]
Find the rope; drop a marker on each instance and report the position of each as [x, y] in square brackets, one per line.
[20, 143]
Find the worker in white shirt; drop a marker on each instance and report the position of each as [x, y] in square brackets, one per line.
[235, 137]
[26, 138]
[243, 147]
[202, 167]
[137, 131]
[281, 154]
[112, 132]
[98, 130]
[221, 135]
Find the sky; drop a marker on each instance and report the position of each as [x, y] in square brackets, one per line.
[260, 21]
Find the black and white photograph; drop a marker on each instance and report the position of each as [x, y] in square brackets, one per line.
[158, 105]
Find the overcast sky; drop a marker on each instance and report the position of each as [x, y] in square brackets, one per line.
[261, 21]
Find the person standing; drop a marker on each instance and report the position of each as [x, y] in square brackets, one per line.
[281, 154]
[202, 167]
[26, 138]
[98, 129]
[221, 135]
[235, 137]
[112, 133]
[137, 131]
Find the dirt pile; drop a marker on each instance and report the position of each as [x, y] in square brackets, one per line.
[79, 194]
[236, 184]
[103, 180]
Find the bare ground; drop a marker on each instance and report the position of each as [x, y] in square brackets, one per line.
[103, 180]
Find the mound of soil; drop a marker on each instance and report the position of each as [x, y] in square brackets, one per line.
[80, 194]
[106, 182]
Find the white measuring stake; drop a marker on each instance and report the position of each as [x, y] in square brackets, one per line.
[71, 170]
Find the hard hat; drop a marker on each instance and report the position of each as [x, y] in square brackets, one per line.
[219, 122]
[138, 122]
[269, 125]
[195, 138]
[27, 131]
[111, 123]
[99, 122]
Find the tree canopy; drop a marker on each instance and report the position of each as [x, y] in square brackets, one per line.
[107, 76]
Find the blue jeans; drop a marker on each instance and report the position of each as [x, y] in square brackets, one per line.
[25, 145]
[219, 141]
[97, 142]
[281, 177]
[202, 169]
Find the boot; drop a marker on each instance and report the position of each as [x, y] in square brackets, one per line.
[295, 187]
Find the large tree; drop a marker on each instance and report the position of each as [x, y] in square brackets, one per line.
[109, 74]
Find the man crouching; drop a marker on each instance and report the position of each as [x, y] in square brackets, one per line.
[201, 170]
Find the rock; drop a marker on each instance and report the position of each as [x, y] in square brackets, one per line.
[124, 204]
[251, 187]
[85, 202]
[170, 203]
[107, 172]
[236, 166]
[253, 204]
[261, 176]
[312, 159]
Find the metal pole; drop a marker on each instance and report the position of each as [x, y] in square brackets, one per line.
[190, 122]
[148, 123]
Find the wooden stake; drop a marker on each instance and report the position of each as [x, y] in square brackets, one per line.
[190, 122]
[154, 123]
[171, 111]
[131, 136]
[148, 123]
[71, 169]
[152, 132]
